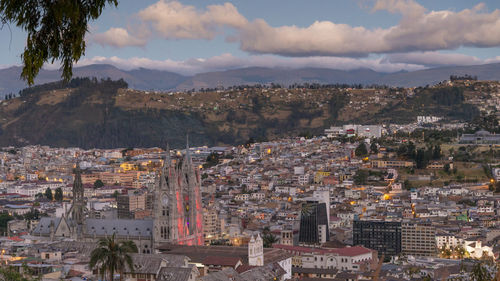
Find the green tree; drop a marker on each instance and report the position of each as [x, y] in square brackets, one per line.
[12, 274]
[361, 177]
[58, 196]
[268, 240]
[112, 256]
[447, 168]
[55, 31]
[212, 160]
[407, 185]
[436, 152]
[361, 150]
[4, 219]
[48, 194]
[98, 184]
[374, 148]
[33, 214]
[115, 194]
[481, 273]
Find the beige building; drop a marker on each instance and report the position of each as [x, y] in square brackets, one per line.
[211, 226]
[418, 239]
[392, 164]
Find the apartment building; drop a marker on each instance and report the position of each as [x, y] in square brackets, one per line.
[418, 239]
[211, 225]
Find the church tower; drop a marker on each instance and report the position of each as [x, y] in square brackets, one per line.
[256, 251]
[77, 210]
[178, 210]
[165, 229]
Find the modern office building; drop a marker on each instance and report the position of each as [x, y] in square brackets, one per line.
[382, 236]
[313, 224]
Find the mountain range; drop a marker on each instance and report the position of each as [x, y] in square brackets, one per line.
[150, 79]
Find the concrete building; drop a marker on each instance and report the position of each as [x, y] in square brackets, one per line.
[211, 225]
[480, 137]
[418, 239]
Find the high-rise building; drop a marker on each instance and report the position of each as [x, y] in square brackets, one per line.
[313, 224]
[382, 236]
[133, 202]
[211, 227]
[178, 210]
[418, 239]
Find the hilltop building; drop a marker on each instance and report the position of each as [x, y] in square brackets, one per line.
[480, 137]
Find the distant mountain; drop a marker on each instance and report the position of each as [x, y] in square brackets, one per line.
[149, 79]
[142, 79]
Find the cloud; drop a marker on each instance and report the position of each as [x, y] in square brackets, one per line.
[434, 59]
[419, 30]
[322, 38]
[228, 61]
[173, 20]
[119, 37]
[408, 8]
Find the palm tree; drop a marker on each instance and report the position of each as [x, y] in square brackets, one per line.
[480, 272]
[112, 256]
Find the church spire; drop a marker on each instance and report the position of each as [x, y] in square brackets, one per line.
[187, 159]
[167, 157]
[77, 209]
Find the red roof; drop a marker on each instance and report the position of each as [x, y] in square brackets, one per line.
[352, 251]
[244, 267]
[16, 239]
[347, 251]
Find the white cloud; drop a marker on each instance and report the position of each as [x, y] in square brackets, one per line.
[434, 59]
[119, 38]
[228, 61]
[320, 38]
[173, 20]
[419, 30]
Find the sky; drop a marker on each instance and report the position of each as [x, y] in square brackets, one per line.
[193, 36]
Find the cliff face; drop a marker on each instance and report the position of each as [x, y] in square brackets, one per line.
[89, 113]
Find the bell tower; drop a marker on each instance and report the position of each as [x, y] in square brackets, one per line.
[256, 251]
[165, 229]
[77, 210]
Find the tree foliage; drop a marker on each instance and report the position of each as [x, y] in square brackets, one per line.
[48, 194]
[98, 184]
[58, 196]
[480, 272]
[361, 177]
[112, 256]
[361, 150]
[268, 240]
[448, 96]
[56, 30]
[12, 274]
[4, 219]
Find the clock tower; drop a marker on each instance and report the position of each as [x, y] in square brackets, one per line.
[178, 211]
[164, 204]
